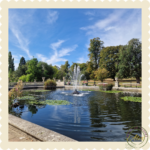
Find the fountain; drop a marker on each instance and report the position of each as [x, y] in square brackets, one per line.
[76, 78]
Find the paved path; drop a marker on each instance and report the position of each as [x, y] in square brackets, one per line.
[16, 135]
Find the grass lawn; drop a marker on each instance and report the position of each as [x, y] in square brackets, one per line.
[113, 91]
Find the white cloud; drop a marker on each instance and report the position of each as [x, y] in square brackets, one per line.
[109, 28]
[42, 57]
[54, 46]
[82, 60]
[15, 57]
[16, 27]
[58, 55]
[52, 16]
[90, 13]
[118, 28]
[101, 24]
[22, 41]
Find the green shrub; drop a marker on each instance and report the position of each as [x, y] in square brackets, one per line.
[29, 78]
[23, 78]
[105, 87]
[48, 84]
[26, 78]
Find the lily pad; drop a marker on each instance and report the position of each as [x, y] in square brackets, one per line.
[41, 91]
[132, 99]
[47, 102]
[26, 98]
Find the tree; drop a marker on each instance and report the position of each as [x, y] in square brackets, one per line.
[60, 74]
[72, 66]
[96, 45]
[47, 70]
[83, 67]
[65, 67]
[11, 76]
[55, 70]
[130, 60]
[22, 68]
[22, 61]
[101, 74]
[110, 60]
[10, 62]
[34, 70]
[89, 71]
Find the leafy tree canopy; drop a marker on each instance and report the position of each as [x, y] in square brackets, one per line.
[96, 45]
[110, 60]
[130, 60]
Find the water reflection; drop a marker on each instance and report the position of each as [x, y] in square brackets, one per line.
[95, 116]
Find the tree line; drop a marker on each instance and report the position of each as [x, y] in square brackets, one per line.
[122, 61]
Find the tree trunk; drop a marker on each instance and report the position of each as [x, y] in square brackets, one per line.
[138, 79]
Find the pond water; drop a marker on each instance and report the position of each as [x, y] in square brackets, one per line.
[91, 116]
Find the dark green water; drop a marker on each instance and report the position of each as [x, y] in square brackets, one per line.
[92, 116]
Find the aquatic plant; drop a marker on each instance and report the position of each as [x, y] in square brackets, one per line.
[26, 98]
[48, 102]
[133, 99]
[40, 90]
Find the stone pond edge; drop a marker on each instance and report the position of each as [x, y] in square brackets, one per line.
[38, 132]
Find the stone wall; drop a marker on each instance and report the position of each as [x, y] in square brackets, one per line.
[60, 83]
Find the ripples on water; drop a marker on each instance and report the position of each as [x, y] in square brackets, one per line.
[92, 116]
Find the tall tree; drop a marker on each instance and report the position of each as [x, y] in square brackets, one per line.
[89, 71]
[130, 60]
[22, 68]
[22, 61]
[110, 60]
[96, 45]
[10, 62]
[65, 67]
[72, 66]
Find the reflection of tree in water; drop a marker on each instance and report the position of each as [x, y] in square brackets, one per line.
[32, 109]
[129, 111]
[106, 107]
[15, 112]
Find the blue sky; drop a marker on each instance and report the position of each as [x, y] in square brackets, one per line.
[57, 35]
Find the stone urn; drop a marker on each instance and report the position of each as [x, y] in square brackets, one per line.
[116, 78]
[43, 78]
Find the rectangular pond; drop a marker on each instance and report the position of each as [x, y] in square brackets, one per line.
[89, 116]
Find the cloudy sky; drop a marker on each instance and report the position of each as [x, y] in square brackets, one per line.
[57, 35]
